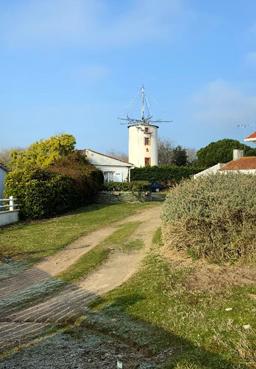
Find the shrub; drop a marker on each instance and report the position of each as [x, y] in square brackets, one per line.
[213, 217]
[67, 183]
[166, 174]
[41, 194]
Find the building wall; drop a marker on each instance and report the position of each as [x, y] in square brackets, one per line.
[113, 169]
[212, 170]
[2, 178]
[115, 174]
[242, 171]
[138, 150]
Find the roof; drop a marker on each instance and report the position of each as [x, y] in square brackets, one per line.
[251, 137]
[108, 156]
[2, 166]
[245, 163]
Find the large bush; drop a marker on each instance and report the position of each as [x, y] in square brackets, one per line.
[50, 178]
[213, 217]
[166, 174]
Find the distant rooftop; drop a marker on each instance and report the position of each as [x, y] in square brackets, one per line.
[245, 163]
[251, 137]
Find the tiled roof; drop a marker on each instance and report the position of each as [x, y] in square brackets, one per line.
[245, 163]
[251, 137]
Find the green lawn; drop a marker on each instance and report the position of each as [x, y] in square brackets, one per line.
[37, 239]
[157, 310]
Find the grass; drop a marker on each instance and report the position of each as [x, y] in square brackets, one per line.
[94, 258]
[157, 310]
[37, 239]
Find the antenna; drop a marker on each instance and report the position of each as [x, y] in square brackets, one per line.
[144, 119]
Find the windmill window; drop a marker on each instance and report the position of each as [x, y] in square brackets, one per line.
[146, 129]
[147, 161]
[146, 141]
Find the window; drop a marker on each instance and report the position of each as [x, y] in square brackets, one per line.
[147, 162]
[146, 141]
[108, 176]
[146, 129]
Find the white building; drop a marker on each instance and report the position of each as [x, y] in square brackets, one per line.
[3, 172]
[113, 169]
[143, 150]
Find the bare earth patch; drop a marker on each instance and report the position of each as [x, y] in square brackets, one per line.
[204, 276]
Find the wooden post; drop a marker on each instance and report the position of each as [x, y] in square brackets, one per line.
[11, 203]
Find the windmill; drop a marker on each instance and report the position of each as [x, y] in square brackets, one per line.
[143, 148]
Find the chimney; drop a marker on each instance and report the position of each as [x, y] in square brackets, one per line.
[237, 154]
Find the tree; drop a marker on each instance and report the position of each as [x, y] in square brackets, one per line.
[180, 156]
[169, 154]
[191, 155]
[50, 177]
[6, 154]
[165, 152]
[43, 153]
[118, 155]
[221, 152]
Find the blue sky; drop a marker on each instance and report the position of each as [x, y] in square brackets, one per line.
[76, 65]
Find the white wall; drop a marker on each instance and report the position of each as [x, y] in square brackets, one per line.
[113, 169]
[138, 151]
[242, 171]
[212, 170]
[2, 177]
[8, 217]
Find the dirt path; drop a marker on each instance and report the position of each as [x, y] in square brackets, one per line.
[57, 263]
[26, 324]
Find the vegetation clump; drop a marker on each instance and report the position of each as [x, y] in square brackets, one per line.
[213, 217]
[165, 174]
[221, 152]
[50, 177]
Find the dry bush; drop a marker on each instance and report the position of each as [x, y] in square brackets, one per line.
[213, 217]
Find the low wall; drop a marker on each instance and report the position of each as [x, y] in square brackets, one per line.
[111, 197]
[8, 217]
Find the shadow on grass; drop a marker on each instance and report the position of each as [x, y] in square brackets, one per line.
[158, 346]
[169, 351]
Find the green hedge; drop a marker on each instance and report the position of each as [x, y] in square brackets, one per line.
[213, 217]
[166, 174]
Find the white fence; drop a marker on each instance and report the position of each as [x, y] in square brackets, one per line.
[9, 212]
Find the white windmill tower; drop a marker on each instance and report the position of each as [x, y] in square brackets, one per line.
[143, 145]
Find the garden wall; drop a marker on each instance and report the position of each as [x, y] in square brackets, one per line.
[109, 197]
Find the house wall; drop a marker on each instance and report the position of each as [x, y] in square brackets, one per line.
[113, 169]
[242, 171]
[114, 173]
[2, 178]
[138, 151]
[212, 170]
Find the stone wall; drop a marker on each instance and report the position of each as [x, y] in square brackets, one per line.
[111, 197]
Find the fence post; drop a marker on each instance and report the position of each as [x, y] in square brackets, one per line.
[11, 203]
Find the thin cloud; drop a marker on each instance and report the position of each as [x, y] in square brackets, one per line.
[219, 104]
[90, 22]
